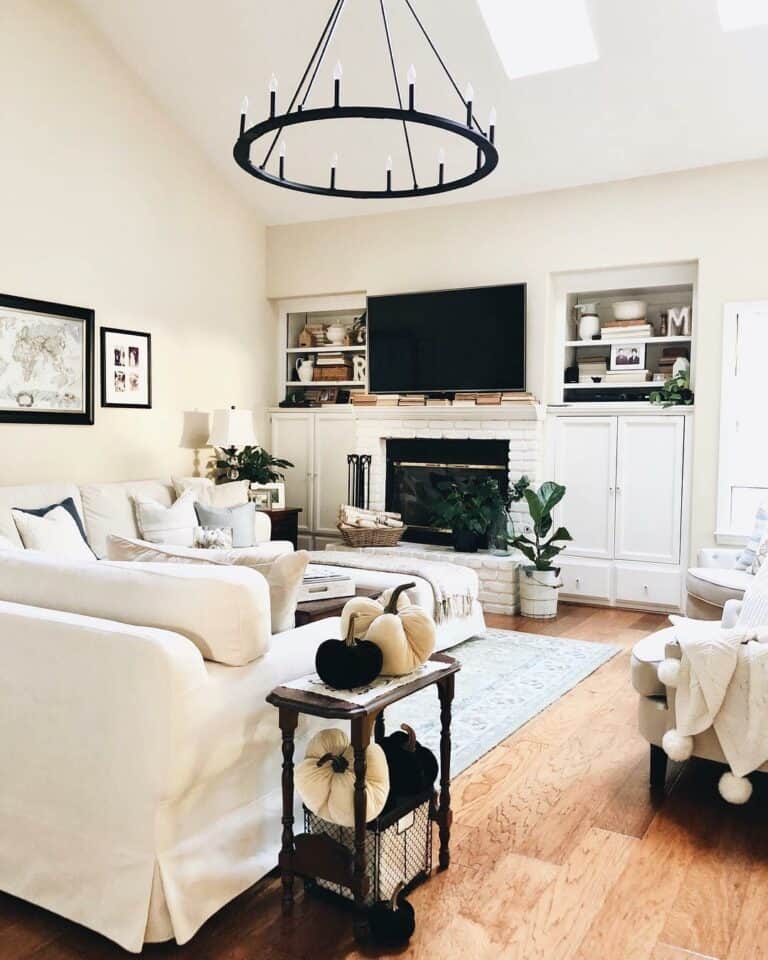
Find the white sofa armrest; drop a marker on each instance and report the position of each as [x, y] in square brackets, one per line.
[91, 715]
[722, 558]
[731, 612]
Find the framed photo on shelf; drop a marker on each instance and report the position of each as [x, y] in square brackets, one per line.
[627, 356]
[46, 362]
[329, 394]
[268, 496]
[126, 368]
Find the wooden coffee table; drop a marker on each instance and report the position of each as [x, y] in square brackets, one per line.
[312, 610]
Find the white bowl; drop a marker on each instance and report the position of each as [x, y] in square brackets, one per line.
[629, 310]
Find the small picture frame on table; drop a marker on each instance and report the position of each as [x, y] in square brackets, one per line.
[268, 496]
[627, 356]
[126, 368]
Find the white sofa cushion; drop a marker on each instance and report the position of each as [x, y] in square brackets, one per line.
[237, 519]
[108, 508]
[715, 585]
[55, 533]
[212, 494]
[32, 497]
[284, 573]
[160, 524]
[223, 611]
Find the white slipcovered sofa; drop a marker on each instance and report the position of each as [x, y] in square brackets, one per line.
[141, 776]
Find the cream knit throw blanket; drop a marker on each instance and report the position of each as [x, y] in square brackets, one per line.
[455, 588]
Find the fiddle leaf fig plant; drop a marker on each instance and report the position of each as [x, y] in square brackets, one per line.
[545, 545]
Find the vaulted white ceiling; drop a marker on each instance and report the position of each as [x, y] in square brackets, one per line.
[670, 90]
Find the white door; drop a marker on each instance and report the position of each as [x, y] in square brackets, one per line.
[292, 436]
[585, 463]
[649, 488]
[334, 439]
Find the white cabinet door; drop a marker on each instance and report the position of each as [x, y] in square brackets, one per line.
[649, 488]
[334, 439]
[292, 438]
[585, 463]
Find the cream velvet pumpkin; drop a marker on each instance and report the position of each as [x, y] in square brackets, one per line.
[325, 779]
[406, 638]
[366, 609]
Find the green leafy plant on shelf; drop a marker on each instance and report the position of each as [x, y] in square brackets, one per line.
[543, 548]
[254, 464]
[676, 392]
[467, 507]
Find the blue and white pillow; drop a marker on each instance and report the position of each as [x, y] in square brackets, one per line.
[748, 554]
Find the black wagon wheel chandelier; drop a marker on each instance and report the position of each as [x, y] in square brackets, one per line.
[468, 128]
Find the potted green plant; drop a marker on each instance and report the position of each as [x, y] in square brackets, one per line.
[541, 580]
[675, 392]
[467, 507]
[254, 464]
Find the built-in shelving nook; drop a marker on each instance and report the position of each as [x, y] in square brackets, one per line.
[601, 362]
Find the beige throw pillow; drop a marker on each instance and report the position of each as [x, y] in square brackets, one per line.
[160, 524]
[284, 574]
[211, 494]
[55, 533]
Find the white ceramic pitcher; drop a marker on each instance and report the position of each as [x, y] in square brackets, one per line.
[305, 369]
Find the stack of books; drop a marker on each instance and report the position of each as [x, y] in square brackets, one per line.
[488, 399]
[319, 336]
[625, 330]
[325, 583]
[464, 400]
[360, 399]
[411, 400]
[591, 367]
[438, 402]
[388, 400]
[627, 376]
[514, 397]
[332, 366]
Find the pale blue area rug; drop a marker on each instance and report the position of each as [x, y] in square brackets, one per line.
[506, 678]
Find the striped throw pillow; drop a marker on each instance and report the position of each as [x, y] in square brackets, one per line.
[748, 554]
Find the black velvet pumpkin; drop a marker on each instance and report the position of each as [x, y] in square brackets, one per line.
[348, 663]
[412, 767]
[392, 922]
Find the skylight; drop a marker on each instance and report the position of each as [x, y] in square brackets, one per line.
[536, 36]
[742, 14]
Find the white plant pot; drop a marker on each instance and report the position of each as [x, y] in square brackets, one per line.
[538, 593]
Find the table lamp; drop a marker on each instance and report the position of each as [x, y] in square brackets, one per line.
[231, 430]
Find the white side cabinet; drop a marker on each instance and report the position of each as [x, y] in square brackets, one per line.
[625, 506]
[317, 443]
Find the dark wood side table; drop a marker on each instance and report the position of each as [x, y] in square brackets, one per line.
[285, 524]
[313, 855]
[311, 610]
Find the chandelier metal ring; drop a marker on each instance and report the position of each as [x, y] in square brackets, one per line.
[488, 156]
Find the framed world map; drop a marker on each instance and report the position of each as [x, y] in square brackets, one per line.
[46, 362]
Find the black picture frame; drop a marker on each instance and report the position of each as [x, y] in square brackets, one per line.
[104, 352]
[88, 318]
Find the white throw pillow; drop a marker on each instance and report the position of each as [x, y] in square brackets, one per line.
[56, 533]
[213, 495]
[6, 544]
[754, 608]
[175, 524]
[284, 574]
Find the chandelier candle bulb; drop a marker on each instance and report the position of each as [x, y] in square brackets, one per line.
[492, 125]
[441, 166]
[243, 112]
[334, 164]
[388, 168]
[272, 95]
[338, 72]
[411, 87]
[282, 159]
[469, 95]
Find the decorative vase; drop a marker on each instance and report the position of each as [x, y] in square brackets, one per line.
[499, 534]
[538, 593]
[305, 369]
[464, 541]
[589, 326]
[336, 334]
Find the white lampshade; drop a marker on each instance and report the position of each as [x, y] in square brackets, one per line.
[232, 428]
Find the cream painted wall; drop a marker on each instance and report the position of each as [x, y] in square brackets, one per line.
[716, 215]
[104, 203]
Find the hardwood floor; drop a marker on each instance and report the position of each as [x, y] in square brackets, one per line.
[559, 853]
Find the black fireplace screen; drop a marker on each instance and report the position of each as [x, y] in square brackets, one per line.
[416, 467]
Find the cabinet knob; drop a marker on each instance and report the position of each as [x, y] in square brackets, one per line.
[645, 587]
[578, 581]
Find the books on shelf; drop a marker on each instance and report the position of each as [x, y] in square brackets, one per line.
[464, 399]
[488, 399]
[360, 399]
[627, 376]
[515, 396]
[388, 400]
[330, 359]
[624, 332]
[411, 400]
[438, 402]
[613, 324]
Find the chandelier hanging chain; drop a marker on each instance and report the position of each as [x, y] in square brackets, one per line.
[397, 90]
[325, 38]
[442, 63]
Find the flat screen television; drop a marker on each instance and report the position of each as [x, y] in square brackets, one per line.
[470, 340]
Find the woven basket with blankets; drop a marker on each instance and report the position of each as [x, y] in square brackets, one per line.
[369, 528]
